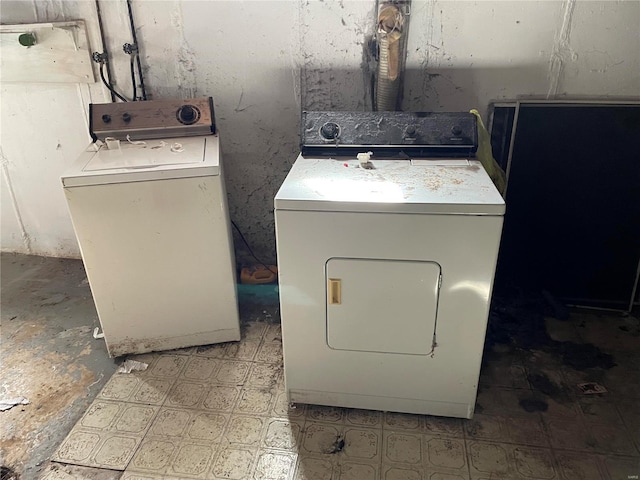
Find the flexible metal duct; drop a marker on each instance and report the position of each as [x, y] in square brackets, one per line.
[390, 40]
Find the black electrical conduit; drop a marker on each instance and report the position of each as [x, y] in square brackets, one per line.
[135, 42]
[105, 54]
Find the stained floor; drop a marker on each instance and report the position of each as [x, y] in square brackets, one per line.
[220, 412]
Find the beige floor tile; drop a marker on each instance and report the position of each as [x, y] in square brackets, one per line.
[313, 468]
[255, 401]
[253, 330]
[322, 438]
[578, 466]
[451, 427]
[191, 460]
[221, 398]
[622, 467]
[99, 449]
[107, 435]
[232, 372]
[402, 447]
[402, 472]
[283, 409]
[283, 434]
[164, 366]
[120, 387]
[187, 394]
[244, 430]
[447, 454]
[612, 439]
[194, 425]
[274, 465]
[403, 421]
[322, 413]
[503, 375]
[245, 350]
[270, 352]
[154, 455]
[510, 462]
[61, 471]
[131, 475]
[363, 418]
[200, 369]
[273, 333]
[599, 409]
[352, 470]
[212, 351]
[485, 427]
[435, 474]
[233, 463]
[264, 375]
[362, 444]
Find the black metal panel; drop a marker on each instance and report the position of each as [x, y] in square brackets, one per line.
[572, 225]
[389, 133]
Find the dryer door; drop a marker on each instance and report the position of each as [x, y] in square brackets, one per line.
[376, 305]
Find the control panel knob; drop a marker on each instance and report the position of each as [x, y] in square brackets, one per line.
[126, 117]
[456, 130]
[410, 131]
[106, 118]
[330, 131]
[187, 114]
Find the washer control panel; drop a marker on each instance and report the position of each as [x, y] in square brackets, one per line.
[426, 133]
[152, 119]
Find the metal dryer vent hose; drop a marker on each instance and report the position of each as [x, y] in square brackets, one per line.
[390, 42]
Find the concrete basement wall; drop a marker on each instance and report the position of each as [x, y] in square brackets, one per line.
[264, 61]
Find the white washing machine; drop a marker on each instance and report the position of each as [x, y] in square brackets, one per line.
[386, 268]
[151, 218]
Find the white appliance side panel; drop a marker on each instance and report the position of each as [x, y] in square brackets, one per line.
[465, 247]
[159, 262]
[381, 305]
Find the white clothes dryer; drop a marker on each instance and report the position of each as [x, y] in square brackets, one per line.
[386, 265]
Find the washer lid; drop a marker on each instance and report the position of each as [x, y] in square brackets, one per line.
[142, 161]
[393, 186]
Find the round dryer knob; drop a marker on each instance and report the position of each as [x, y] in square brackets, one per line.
[106, 118]
[456, 130]
[188, 114]
[126, 117]
[330, 131]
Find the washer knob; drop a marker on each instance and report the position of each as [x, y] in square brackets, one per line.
[411, 131]
[456, 130]
[187, 114]
[330, 131]
[126, 117]
[106, 118]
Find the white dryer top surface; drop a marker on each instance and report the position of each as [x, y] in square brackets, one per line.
[153, 160]
[395, 186]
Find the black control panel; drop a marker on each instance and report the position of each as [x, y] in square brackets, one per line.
[389, 133]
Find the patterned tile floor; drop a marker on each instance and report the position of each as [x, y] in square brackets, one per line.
[220, 412]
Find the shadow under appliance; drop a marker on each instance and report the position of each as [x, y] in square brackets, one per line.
[386, 272]
[152, 221]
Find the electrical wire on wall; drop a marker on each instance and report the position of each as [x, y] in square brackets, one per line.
[102, 60]
[136, 54]
[132, 51]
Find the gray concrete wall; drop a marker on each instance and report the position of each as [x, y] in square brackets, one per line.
[264, 61]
